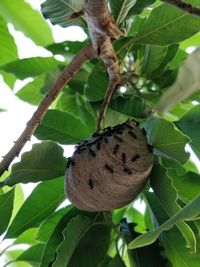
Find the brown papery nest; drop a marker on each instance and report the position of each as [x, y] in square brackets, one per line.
[109, 170]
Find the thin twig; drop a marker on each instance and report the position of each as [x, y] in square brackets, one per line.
[184, 6]
[76, 63]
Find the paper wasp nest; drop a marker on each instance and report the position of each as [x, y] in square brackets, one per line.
[109, 170]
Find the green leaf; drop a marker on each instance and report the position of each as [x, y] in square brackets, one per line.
[162, 29]
[27, 237]
[134, 106]
[45, 161]
[152, 253]
[139, 7]
[77, 105]
[153, 57]
[44, 199]
[32, 255]
[173, 242]
[6, 208]
[59, 12]
[7, 44]
[166, 140]
[62, 127]
[57, 237]
[186, 84]
[189, 212]
[187, 186]
[48, 226]
[94, 255]
[167, 195]
[189, 124]
[31, 67]
[117, 262]
[67, 47]
[72, 234]
[121, 8]
[78, 236]
[27, 20]
[31, 92]
[9, 78]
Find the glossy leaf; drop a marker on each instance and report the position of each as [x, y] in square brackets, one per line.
[139, 7]
[121, 8]
[44, 199]
[7, 44]
[167, 195]
[187, 83]
[187, 186]
[31, 92]
[73, 233]
[173, 242]
[62, 127]
[56, 237]
[27, 237]
[59, 12]
[32, 255]
[167, 141]
[189, 124]
[162, 29]
[189, 212]
[134, 106]
[45, 161]
[27, 20]
[31, 67]
[6, 208]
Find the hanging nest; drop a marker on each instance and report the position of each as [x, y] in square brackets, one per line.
[109, 170]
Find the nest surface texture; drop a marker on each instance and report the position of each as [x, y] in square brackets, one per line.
[109, 170]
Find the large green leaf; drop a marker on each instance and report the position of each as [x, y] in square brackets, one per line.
[6, 208]
[59, 12]
[77, 105]
[121, 8]
[98, 246]
[31, 67]
[164, 26]
[48, 226]
[32, 255]
[8, 49]
[189, 124]
[31, 92]
[27, 20]
[187, 186]
[73, 233]
[62, 127]
[172, 240]
[57, 237]
[27, 237]
[45, 161]
[166, 140]
[187, 83]
[134, 106]
[167, 195]
[139, 6]
[44, 199]
[189, 212]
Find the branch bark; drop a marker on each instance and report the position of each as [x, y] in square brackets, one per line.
[76, 63]
[103, 30]
[184, 6]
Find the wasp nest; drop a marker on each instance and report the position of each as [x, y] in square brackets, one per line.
[109, 170]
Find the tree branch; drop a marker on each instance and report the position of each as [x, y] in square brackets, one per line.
[102, 29]
[76, 63]
[184, 6]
